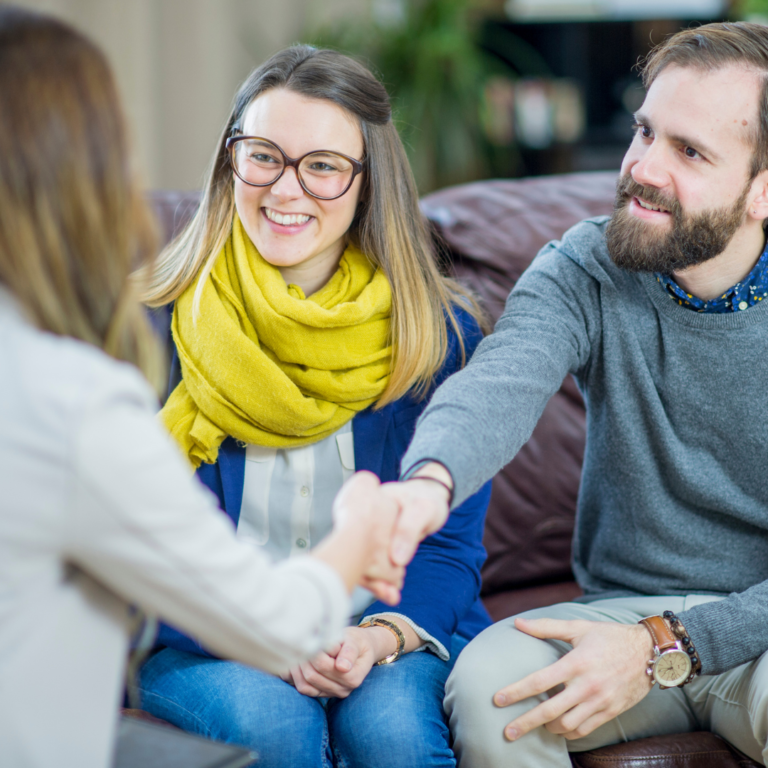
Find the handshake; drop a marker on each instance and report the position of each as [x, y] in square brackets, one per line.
[377, 528]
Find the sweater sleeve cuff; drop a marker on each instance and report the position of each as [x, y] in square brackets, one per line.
[430, 643]
[722, 634]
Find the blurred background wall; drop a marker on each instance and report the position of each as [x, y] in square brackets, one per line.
[179, 62]
[481, 88]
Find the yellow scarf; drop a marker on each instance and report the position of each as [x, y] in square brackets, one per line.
[269, 366]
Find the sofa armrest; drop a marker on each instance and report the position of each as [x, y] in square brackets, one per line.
[685, 750]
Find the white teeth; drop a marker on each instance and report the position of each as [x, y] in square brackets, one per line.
[647, 206]
[286, 220]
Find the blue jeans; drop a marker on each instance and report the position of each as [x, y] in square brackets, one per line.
[394, 718]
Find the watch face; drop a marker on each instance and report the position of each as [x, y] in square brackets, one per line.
[672, 668]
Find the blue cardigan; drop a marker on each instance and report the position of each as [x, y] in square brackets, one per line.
[442, 584]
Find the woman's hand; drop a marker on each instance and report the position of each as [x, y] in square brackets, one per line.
[342, 669]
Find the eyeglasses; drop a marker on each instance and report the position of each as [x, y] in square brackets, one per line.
[322, 174]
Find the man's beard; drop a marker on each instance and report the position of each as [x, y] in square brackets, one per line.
[637, 246]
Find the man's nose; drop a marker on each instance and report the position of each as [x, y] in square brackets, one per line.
[287, 187]
[651, 168]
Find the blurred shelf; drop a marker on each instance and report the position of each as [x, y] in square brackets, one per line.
[615, 10]
[600, 56]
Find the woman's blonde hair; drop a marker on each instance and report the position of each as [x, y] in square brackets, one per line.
[73, 223]
[388, 226]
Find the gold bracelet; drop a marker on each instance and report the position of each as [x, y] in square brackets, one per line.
[395, 630]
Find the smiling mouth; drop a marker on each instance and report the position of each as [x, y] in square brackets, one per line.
[286, 219]
[649, 207]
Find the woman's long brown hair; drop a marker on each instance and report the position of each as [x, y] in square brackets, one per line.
[388, 226]
[73, 223]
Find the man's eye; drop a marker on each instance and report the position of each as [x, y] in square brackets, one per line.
[643, 130]
[691, 152]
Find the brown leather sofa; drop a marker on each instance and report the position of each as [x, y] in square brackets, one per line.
[490, 231]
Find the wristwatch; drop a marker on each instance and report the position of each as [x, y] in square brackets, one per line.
[671, 665]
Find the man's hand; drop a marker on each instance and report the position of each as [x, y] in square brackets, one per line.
[603, 676]
[342, 669]
[423, 509]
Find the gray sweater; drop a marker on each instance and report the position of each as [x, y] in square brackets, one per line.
[674, 491]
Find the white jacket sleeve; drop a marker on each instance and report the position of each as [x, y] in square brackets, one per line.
[147, 529]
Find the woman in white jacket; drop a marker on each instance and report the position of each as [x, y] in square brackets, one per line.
[98, 511]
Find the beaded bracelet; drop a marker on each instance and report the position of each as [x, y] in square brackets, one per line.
[678, 630]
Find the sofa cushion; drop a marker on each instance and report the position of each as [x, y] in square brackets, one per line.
[501, 605]
[491, 232]
[493, 229]
[172, 210]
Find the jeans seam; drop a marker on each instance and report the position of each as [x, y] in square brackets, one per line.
[178, 706]
[326, 745]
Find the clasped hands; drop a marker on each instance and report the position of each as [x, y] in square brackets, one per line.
[341, 669]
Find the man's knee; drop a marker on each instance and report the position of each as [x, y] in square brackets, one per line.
[499, 656]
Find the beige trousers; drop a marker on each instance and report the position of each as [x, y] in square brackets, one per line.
[733, 704]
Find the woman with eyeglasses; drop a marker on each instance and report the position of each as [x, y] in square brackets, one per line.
[311, 324]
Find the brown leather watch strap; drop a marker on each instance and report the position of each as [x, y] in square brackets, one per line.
[660, 632]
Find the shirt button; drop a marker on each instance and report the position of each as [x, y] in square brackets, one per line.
[743, 305]
[304, 490]
[300, 543]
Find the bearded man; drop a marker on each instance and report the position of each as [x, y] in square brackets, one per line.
[660, 315]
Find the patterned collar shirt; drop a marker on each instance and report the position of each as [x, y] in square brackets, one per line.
[745, 294]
